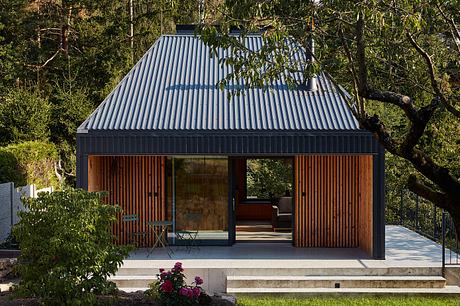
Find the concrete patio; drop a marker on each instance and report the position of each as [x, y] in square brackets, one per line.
[403, 247]
[410, 259]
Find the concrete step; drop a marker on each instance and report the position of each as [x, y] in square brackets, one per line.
[234, 282]
[446, 291]
[132, 281]
[395, 271]
[132, 289]
[138, 271]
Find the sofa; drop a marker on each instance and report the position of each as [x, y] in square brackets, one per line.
[282, 214]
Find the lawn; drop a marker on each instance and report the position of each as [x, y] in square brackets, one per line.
[356, 300]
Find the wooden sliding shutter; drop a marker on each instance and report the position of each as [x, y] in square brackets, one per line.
[333, 201]
[137, 185]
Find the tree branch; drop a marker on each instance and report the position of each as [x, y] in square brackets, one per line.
[437, 174]
[418, 187]
[454, 31]
[361, 57]
[377, 127]
[46, 62]
[418, 126]
[353, 72]
[402, 101]
[418, 118]
[431, 72]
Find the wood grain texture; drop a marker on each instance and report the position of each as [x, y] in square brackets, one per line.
[136, 184]
[365, 204]
[333, 201]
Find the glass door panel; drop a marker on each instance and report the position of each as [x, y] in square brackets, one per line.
[201, 196]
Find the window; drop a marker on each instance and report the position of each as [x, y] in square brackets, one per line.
[268, 178]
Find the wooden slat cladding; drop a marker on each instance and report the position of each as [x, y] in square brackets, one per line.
[365, 204]
[136, 183]
[333, 201]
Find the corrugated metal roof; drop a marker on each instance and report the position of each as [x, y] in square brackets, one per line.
[173, 88]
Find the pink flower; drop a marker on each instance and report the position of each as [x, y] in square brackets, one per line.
[186, 291]
[162, 270]
[177, 267]
[198, 280]
[167, 286]
[196, 292]
[183, 291]
[163, 275]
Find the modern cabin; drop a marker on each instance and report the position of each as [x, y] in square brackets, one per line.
[167, 144]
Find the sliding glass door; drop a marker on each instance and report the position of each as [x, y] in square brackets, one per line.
[200, 197]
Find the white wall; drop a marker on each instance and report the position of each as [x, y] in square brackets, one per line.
[10, 204]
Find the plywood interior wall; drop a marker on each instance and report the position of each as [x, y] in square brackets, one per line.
[333, 201]
[136, 183]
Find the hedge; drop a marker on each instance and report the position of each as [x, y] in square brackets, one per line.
[30, 162]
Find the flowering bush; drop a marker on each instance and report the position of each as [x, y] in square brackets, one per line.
[173, 290]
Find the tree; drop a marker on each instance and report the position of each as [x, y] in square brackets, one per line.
[24, 116]
[399, 59]
[75, 52]
[267, 178]
[8, 56]
[70, 108]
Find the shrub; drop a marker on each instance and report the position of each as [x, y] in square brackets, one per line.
[30, 162]
[172, 289]
[67, 249]
[24, 116]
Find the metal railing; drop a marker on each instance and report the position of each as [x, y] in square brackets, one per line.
[425, 218]
[450, 241]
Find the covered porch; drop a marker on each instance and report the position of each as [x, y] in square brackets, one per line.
[330, 200]
[412, 265]
[403, 247]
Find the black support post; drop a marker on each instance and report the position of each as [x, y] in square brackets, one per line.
[443, 243]
[401, 208]
[379, 204]
[417, 206]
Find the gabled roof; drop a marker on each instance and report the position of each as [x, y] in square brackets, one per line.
[173, 88]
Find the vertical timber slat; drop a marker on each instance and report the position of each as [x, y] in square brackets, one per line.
[137, 184]
[333, 201]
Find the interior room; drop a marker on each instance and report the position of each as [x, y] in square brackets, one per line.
[263, 199]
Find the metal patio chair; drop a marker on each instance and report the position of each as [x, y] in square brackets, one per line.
[133, 236]
[189, 237]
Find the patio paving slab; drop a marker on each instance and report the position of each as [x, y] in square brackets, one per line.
[403, 248]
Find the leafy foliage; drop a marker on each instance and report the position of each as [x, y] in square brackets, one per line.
[24, 116]
[60, 59]
[67, 249]
[399, 59]
[70, 108]
[268, 178]
[30, 162]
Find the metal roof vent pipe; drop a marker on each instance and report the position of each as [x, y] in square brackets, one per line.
[311, 82]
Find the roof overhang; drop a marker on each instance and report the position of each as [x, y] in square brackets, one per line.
[226, 143]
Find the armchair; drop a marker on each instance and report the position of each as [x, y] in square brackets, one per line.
[282, 214]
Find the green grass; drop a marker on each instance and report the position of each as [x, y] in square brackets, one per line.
[268, 300]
